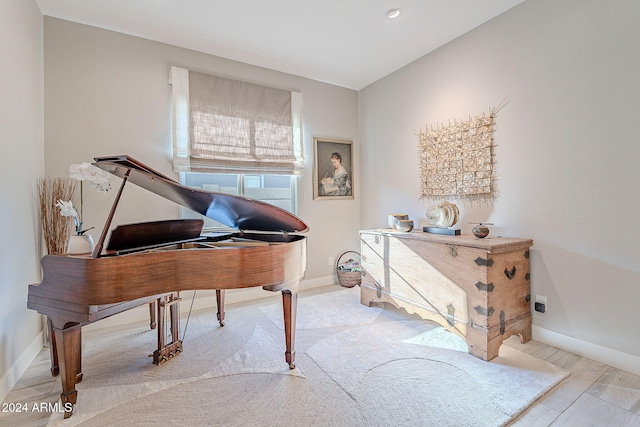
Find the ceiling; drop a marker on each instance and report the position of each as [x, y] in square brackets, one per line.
[349, 43]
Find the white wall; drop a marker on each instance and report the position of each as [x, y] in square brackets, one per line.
[21, 129]
[567, 154]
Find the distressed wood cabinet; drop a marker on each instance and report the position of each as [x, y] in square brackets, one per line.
[476, 288]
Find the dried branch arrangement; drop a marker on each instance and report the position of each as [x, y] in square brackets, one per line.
[458, 160]
[56, 228]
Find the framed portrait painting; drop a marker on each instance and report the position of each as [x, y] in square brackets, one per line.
[333, 169]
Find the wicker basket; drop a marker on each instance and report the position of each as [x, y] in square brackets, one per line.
[348, 279]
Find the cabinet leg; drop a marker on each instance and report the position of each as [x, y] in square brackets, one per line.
[478, 343]
[524, 330]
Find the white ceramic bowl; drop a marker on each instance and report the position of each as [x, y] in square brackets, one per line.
[394, 218]
[404, 225]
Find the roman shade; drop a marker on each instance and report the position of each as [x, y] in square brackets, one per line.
[222, 125]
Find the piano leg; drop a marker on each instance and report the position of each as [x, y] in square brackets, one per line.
[69, 343]
[53, 351]
[220, 305]
[290, 308]
[152, 314]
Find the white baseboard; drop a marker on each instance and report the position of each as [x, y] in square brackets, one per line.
[11, 377]
[617, 359]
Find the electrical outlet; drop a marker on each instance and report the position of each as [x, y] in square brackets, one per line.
[540, 307]
[331, 260]
[540, 304]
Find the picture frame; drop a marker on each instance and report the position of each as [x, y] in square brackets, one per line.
[333, 169]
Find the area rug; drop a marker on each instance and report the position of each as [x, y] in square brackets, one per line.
[355, 366]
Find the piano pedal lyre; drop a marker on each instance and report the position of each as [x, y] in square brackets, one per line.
[166, 351]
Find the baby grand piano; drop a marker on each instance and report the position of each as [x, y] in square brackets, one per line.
[150, 263]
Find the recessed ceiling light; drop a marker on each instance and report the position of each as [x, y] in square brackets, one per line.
[393, 13]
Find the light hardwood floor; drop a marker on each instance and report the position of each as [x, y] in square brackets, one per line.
[593, 395]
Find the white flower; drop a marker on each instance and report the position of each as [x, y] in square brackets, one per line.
[99, 179]
[67, 209]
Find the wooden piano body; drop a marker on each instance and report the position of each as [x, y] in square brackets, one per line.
[78, 290]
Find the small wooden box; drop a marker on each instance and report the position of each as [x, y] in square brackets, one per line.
[477, 288]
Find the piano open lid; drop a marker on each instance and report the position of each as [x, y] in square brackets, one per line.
[236, 212]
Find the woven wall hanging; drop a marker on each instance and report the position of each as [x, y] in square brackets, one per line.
[457, 161]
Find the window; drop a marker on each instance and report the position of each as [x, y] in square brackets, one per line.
[222, 125]
[237, 137]
[278, 190]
